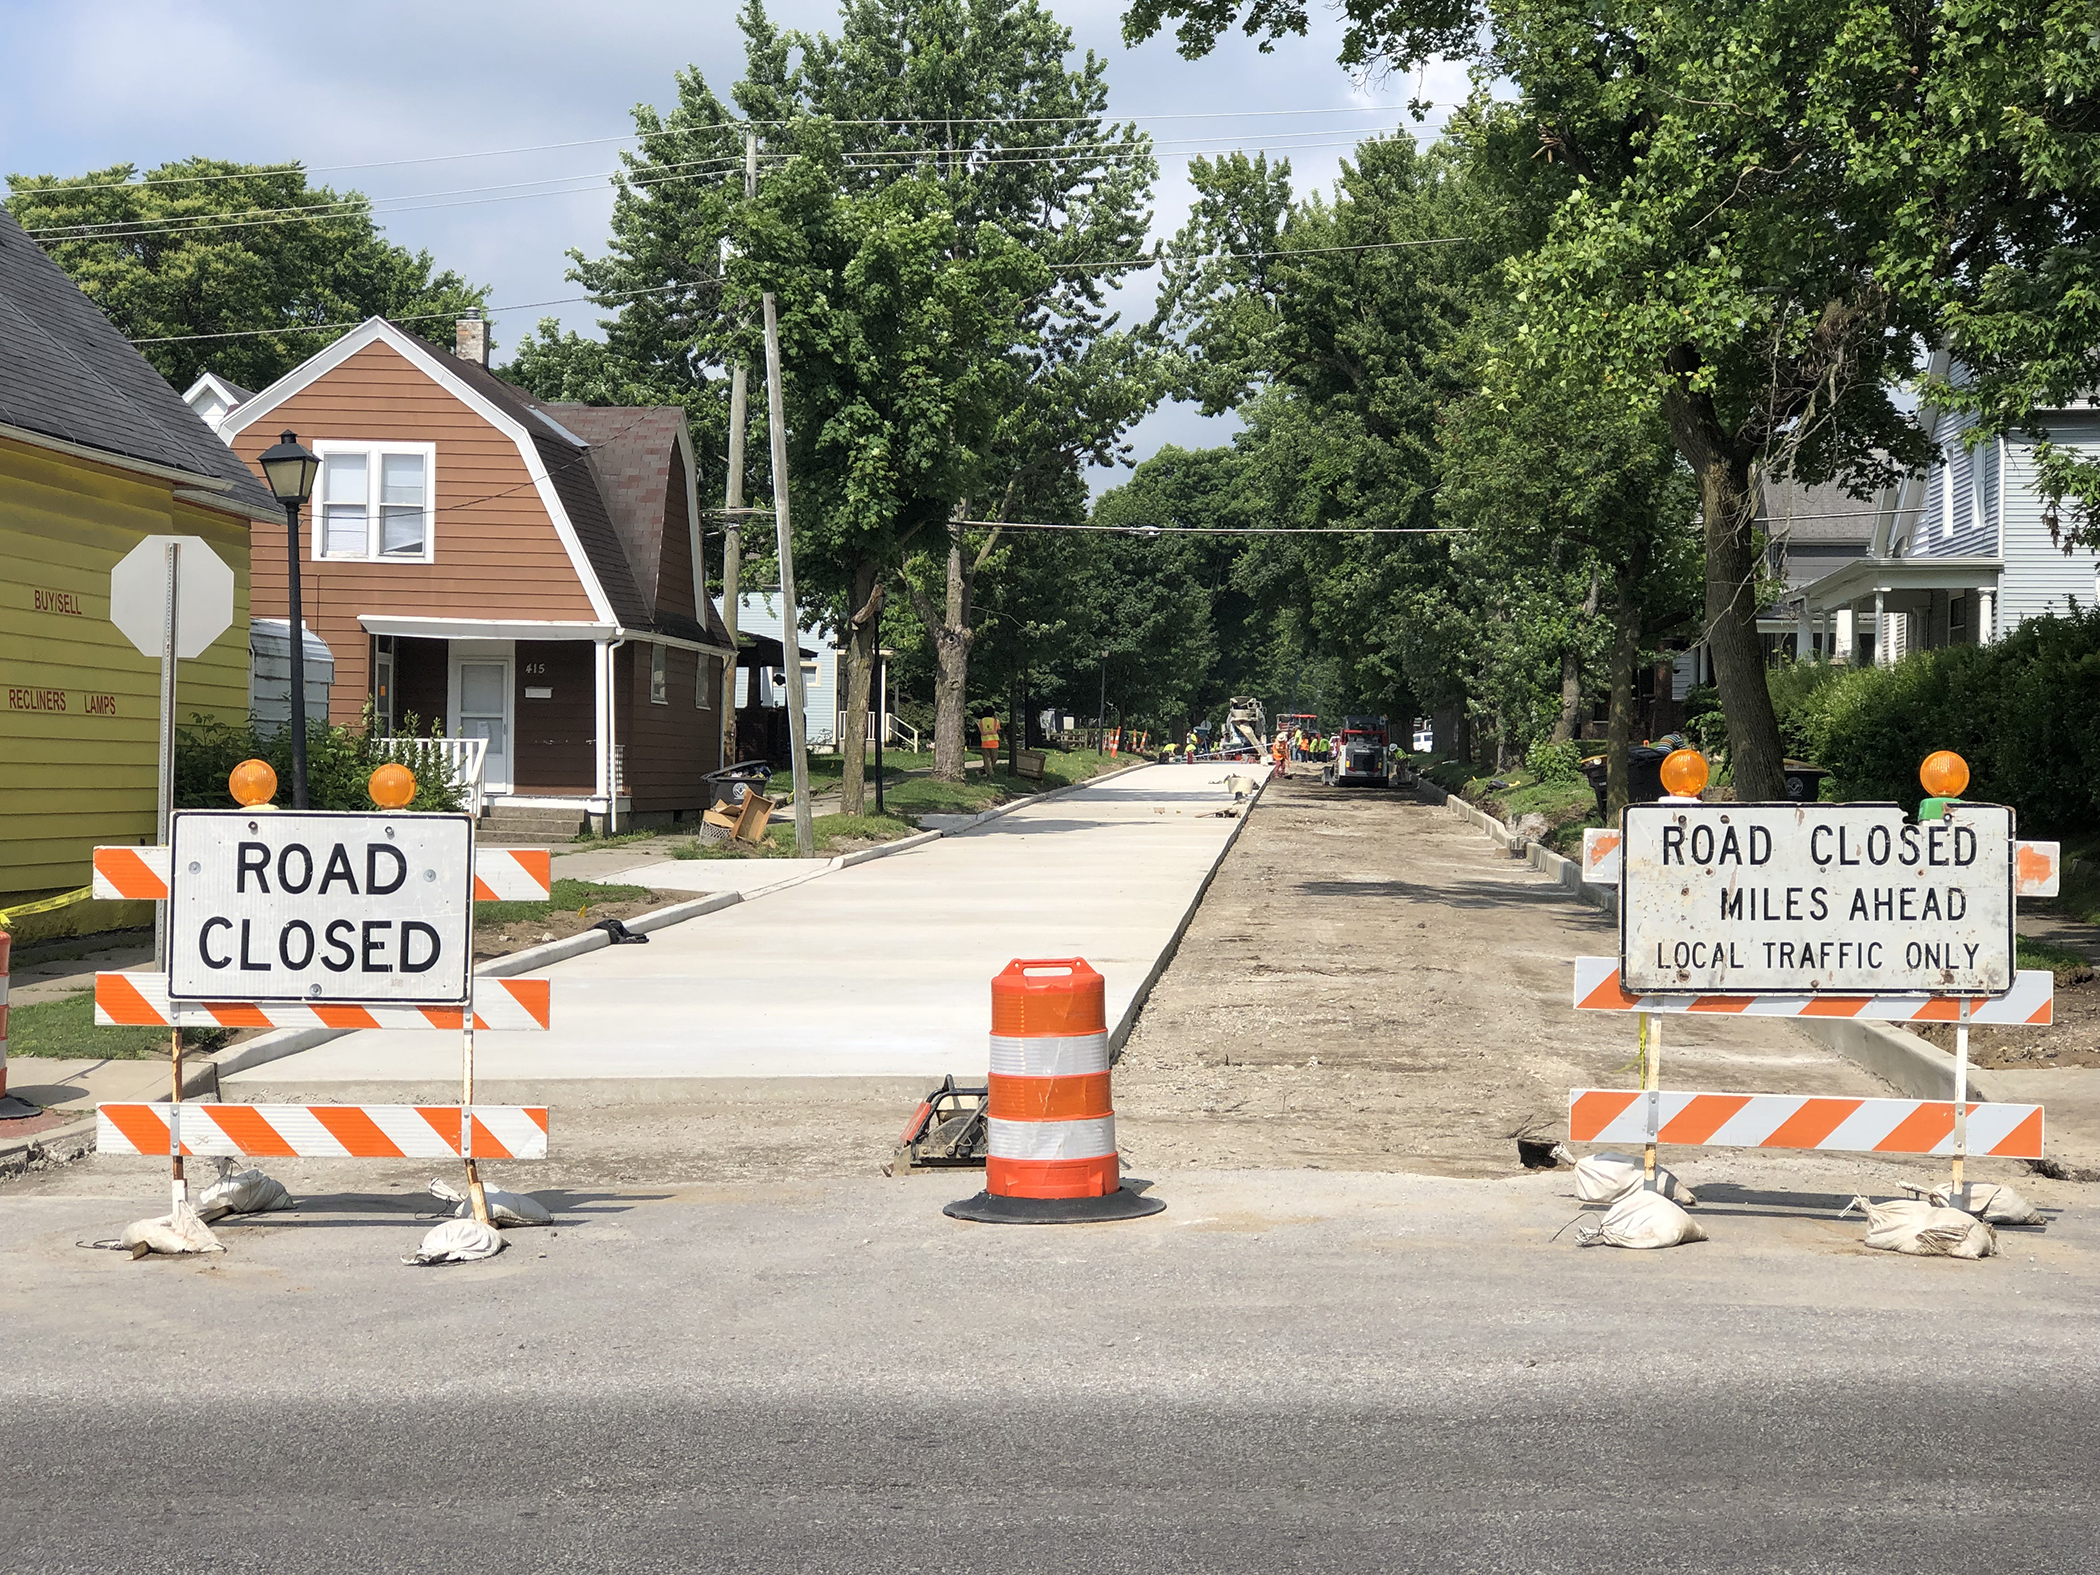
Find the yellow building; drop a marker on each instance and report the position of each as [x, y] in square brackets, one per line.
[97, 452]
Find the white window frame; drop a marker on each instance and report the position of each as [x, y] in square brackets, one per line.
[703, 698]
[374, 456]
[659, 675]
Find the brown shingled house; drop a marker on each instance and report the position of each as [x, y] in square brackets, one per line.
[510, 570]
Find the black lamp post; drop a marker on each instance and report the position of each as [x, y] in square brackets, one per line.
[290, 471]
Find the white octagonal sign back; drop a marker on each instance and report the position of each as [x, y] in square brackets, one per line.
[138, 595]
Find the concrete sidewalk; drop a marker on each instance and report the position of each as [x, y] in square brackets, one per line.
[879, 970]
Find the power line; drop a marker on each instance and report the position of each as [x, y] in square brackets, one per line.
[469, 196]
[602, 298]
[1228, 530]
[424, 317]
[731, 126]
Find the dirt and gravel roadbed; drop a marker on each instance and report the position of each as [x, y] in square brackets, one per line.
[1372, 984]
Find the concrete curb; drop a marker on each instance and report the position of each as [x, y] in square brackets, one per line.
[1906, 1062]
[1120, 1034]
[290, 1041]
[1543, 859]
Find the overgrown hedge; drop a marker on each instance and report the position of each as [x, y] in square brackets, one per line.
[339, 763]
[2024, 713]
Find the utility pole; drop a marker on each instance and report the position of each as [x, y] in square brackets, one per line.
[790, 610]
[733, 503]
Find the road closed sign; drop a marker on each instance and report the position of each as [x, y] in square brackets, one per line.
[317, 907]
[1849, 899]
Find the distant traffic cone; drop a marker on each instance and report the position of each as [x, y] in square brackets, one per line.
[1051, 1125]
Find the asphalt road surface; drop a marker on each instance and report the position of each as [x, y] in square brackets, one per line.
[1288, 1370]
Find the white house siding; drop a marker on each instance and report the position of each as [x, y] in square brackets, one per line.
[2040, 578]
[1967, 481]
[759, 613]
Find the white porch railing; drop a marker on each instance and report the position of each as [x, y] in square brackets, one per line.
[896, 727]
[465, 758]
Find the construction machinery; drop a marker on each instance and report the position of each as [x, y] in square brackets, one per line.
[1363, 756]
[947, 1131]
[1290, 722]
[1246, 732]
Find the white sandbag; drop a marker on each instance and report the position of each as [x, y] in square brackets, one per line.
[1641, 1219]
[1990, 1201]
[1605, 1178]
[506, 1209]
[458, 1241]
[1924, 1229]
[241, 1192]
[173, 1234]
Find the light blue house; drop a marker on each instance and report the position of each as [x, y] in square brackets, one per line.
[758, 612]
[1960, 555]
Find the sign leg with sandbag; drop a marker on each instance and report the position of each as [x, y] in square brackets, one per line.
[325, 919]
[1817, 911]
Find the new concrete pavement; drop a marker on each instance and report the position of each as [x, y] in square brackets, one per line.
[881, 969]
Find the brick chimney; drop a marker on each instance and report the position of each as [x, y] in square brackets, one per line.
[470, 338]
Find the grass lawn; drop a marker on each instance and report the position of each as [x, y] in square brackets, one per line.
[2068, 966]
[569, 896]
[826, 772]
[65, 1030]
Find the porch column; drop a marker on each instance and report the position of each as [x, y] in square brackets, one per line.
[1804, 636]
[1986, 616]
[1881, 630]
[601, 689]
[1845, 647]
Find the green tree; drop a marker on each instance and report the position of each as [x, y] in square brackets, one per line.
[250, 251]
[1771, 211]
[974, 98]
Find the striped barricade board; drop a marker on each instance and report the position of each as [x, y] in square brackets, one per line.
[1874, 1126]
[2030, 1002]
[141, 1000]
[324, 1131]
[500, 874]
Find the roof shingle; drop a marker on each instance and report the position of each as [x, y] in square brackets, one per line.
[66, 372]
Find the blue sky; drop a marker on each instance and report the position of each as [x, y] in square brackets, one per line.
[353, 88]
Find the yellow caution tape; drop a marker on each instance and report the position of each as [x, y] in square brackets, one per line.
[43, 905]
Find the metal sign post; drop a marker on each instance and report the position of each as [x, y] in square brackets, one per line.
[478, 1197]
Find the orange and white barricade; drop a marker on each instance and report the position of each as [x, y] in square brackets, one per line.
[1050, 1121]
[8, 1104]
[1831, 1123]
[324, 1131]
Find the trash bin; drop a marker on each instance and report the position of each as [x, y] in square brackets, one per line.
[1644, 769]
[733, 782]
[1804, 782]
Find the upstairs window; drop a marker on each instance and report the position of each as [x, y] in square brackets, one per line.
[659, 679]
[374, 502]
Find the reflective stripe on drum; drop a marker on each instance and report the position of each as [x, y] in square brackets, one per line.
[1040, 1140]
[1069, 1056]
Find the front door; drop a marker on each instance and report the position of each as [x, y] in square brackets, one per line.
[484, 712]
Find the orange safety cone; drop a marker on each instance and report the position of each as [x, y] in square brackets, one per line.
[1050, 1123]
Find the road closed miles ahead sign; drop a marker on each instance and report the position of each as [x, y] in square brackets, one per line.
[1855, 899]
[320, 907]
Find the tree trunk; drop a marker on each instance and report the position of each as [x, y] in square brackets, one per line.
[866, 599]
[1571, 667]
[1625, 654]
[1729, 504]
[949, 628]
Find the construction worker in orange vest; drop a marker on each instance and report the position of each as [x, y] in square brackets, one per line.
[1279, 751]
